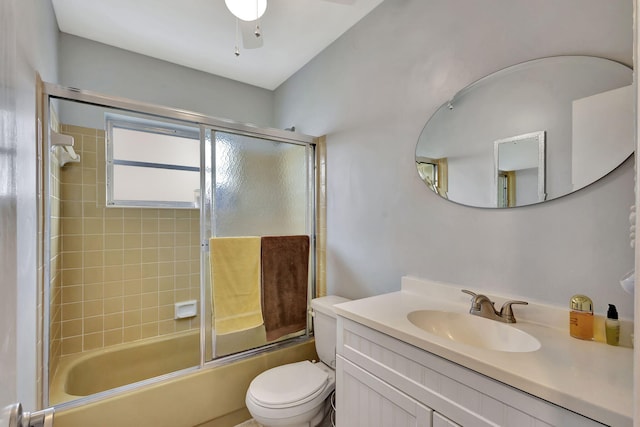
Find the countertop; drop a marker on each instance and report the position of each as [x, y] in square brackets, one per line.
[591, 378]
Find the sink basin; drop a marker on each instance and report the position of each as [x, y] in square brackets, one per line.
[474, 331]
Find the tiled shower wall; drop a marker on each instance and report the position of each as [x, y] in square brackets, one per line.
[122, 269]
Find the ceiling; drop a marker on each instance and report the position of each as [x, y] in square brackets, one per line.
[200, 34]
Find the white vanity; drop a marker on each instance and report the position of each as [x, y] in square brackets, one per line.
[393, 373]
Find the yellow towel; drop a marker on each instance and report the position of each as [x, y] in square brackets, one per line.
[235, 276]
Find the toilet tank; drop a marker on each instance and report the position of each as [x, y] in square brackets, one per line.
[324, 327]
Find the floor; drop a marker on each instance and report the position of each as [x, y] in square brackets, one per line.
[253, 423]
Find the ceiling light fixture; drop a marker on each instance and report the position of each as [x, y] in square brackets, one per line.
[247, 10]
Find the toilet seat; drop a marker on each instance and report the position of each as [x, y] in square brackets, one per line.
[289, 385]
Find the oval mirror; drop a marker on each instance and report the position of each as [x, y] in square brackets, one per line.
[532, 132]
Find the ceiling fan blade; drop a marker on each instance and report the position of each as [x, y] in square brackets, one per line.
[249, 39]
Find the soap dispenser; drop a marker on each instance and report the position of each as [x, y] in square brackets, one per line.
[581, 317]
[612, 326]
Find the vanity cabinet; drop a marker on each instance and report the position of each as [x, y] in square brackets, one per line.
[382, 381]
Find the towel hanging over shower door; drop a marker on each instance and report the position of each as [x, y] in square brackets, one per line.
[285, 280]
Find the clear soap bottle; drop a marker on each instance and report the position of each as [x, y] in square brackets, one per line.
[581, 317]
[612, 326]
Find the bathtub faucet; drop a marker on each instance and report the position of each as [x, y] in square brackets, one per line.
[482, 306]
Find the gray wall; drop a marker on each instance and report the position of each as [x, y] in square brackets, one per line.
[89, 65]
[22, 52]
[372, 92]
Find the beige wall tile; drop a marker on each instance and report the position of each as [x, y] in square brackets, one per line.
[114, 321]
[149, 285]
[131, 333]
[71, 328]
[93, 225]
[93, 324]
[72, 277]
[72, 260]
[71, 345]
[113, 273]
[132, 302]
[113, 225]
[131, 318]
[122, 269]
[132, 225]
[113, 257]
[149, 330]
[132, 287]
[93, 341]
[72, 243]
[166, 312]
[94, 291]
[113, 305]
[93, 259]
[113, 337]
[72, 311]
[71, 294]
[113, 289]
[93, 308]
[93, 242]
[113, 241]
[148, 315]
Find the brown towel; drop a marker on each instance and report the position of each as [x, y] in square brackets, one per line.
[285, 279]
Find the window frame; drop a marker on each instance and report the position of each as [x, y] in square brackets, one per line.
[148, 126]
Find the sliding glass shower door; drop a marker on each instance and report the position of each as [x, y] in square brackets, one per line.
[258, 187]
[133, 195]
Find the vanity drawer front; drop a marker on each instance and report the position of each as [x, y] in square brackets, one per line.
[463, 396]
[365, 401]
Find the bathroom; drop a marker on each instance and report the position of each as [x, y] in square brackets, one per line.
[380, 225]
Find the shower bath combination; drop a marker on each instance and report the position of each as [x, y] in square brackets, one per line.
[122, 260]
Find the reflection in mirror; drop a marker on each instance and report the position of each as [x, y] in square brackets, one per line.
[519, 169]
[583, 104]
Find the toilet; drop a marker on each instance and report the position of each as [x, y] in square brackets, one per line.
[298, 394]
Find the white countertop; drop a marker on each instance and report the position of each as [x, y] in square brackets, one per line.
[591, 378]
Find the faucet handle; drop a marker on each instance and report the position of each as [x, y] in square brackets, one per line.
[506, 312]
[473, 294]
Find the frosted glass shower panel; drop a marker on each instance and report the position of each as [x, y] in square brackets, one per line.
[261, 187]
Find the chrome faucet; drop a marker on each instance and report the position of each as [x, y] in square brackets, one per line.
[482, 306]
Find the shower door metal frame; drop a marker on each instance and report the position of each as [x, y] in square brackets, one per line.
[208, 229]
[205, 123]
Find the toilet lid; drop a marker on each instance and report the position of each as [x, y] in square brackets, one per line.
[287, 384]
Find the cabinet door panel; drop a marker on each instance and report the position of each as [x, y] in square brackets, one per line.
[365, 401]
[441, 421]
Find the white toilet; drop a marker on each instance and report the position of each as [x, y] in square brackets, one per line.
[297, 394]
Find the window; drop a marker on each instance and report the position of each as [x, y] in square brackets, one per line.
[152, 163]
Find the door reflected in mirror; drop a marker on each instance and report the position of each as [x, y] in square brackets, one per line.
[574, 113]
[519, 171]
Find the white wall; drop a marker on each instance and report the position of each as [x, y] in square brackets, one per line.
[372, 92]
[22, 52]
[89, 65]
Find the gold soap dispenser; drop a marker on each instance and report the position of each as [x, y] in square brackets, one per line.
[581, 317]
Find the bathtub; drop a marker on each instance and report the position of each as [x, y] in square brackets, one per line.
[211, 396]
[99, 370]
[90, 372]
